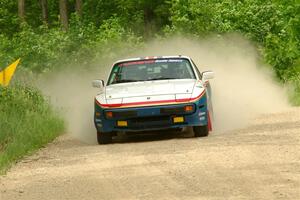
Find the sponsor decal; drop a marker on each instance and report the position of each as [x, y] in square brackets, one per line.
[143, 62]
[202, 118]
[202, 113]
[168, 60]
[99, 125]
[175, 60]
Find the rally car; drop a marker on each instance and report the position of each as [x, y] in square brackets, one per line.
[153, 93]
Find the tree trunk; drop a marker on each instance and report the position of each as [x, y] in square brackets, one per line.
[63, 11]
[44, 6]
[78, 7]
[21, 9]
[148, 16]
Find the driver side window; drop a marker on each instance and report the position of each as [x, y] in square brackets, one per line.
[197, 70]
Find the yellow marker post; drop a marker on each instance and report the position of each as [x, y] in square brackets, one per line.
[8, 72]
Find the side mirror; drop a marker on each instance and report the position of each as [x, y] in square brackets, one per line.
[98, 83]
[208, 75]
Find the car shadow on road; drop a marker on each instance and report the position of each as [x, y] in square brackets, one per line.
[150, 136]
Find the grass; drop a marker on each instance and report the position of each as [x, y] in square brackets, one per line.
[27, 123]
[295, 98]
[294, 81]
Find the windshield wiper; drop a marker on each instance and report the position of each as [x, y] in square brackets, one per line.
[127, 81]
[160, 78]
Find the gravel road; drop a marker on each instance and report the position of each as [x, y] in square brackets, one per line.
[261, 161]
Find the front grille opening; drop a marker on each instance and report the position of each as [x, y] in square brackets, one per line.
[151, 119]
[172, 110]
[124, 114]
[151, 122]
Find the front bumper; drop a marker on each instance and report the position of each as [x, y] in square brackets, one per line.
[151, 117]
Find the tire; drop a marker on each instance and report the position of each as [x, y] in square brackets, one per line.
[104, 138]
[201, 131]
[178, 129]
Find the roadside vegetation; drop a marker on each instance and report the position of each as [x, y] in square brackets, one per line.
[49, 34]
[27, 123]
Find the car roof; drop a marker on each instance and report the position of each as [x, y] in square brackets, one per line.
[150, 57]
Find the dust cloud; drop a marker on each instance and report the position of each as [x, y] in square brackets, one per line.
[242, 88]
[72, 93]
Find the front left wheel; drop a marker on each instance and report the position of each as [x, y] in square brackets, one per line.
[201, 131]
[104, 138]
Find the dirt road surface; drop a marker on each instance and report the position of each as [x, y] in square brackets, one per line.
[261, 161]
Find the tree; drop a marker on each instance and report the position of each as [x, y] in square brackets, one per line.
[44, 7]
[78, 7]
[148, 17]
[63, 11]
[21, 9]
[156, 14]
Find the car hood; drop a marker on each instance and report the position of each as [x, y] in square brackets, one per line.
[154, 90]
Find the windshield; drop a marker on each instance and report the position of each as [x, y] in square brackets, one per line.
[147, 70]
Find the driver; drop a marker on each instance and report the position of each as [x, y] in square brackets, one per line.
[178, 70]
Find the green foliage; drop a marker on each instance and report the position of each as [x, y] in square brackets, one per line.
[9, 21]
[273, 25]
[49, 49]
[139, 15]
[27, 123]
[192, 16]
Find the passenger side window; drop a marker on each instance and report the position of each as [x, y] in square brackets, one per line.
[197, 70]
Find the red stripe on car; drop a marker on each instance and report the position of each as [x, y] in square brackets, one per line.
[136, 63]
[209, 124]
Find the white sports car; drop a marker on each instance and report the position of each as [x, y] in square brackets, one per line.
[153, 93]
